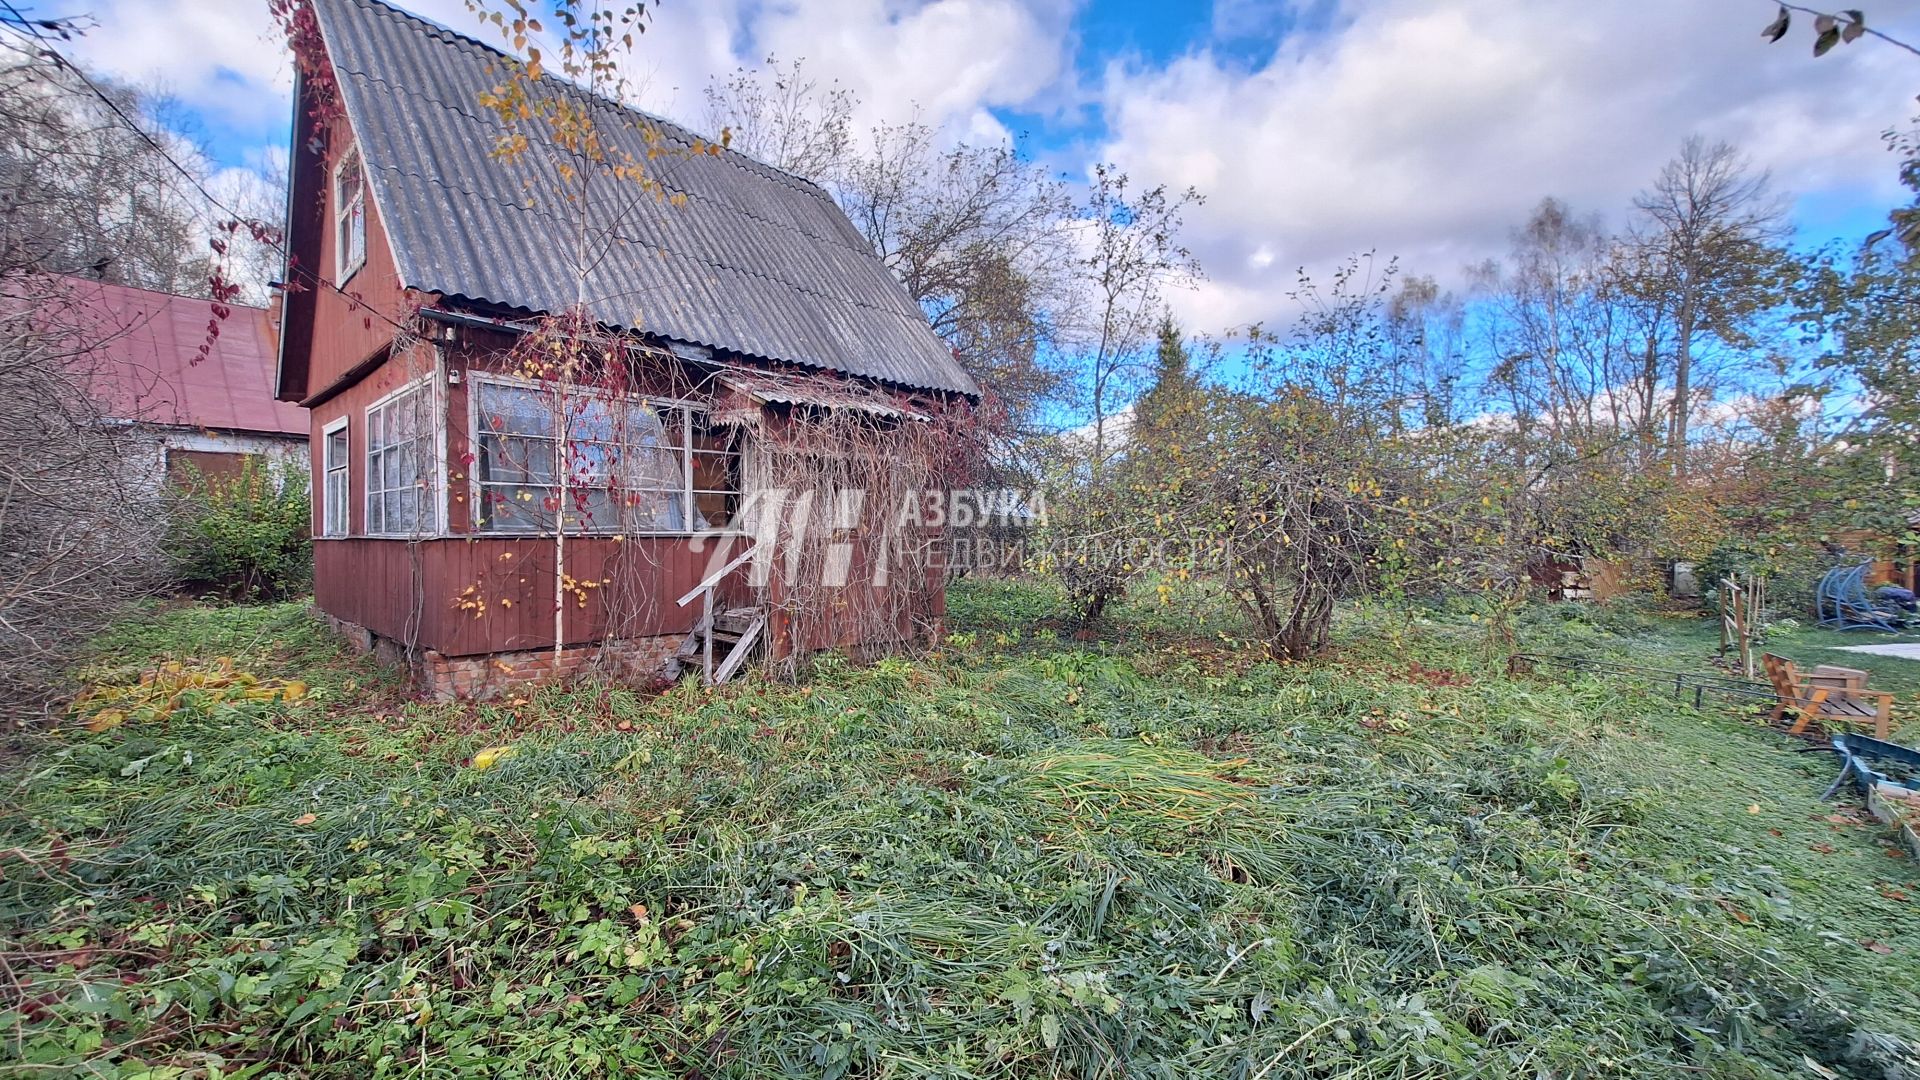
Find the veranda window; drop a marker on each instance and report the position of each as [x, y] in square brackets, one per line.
[333, 505]
[630, 465]
[400, 464]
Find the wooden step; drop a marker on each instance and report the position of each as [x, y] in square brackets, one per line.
[738, 654]
[732, 635]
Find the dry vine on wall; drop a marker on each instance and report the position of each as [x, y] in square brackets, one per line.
[847, 499]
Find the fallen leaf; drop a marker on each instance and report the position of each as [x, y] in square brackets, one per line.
[486, 759]
[306, 819]
[1753, 808]
[1824, 849]
[1892, 893]
[1818, 1069]
[1877, 946]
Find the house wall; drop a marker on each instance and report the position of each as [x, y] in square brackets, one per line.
[468, 596]
[454, 593]
[866, 611]
[416, 363]
[463, 593]
[147, 455]
[335, 326]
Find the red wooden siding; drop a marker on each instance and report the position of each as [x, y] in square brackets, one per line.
[330, 330]
[352, 403]
[414, 592]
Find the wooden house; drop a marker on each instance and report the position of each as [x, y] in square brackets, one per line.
[193, 413]
[486, 522]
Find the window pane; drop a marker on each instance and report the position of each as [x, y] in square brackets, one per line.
[716, 472]
[401, 420]
[714, 509]
[712, 440]
[592, 418]
[515, 507]
[336, 455]
[651, 469]
[514, 410]
[398, 511]
[376, 430]
[335, 522]
[651, 511]
[593, 508]
[511, 458]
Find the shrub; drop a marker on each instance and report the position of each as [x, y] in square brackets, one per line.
[245, 535]
[1792, 571]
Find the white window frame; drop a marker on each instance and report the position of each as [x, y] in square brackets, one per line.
[329, 528]
[429, 520]
[349, 222]
[476, 492]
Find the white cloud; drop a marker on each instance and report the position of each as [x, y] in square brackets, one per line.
[1422, 128]
[1428, 129]
[223, 59]
[948, 62]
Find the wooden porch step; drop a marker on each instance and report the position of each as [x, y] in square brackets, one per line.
[725, 645]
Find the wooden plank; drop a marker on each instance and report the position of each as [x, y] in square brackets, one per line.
[740, 650]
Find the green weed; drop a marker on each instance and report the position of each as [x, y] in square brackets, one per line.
[1149, 857]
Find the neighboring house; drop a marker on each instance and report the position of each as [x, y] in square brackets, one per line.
[209, 412]
[740, 301]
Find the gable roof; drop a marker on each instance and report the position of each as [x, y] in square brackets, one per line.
[149, 369]
[752, 261]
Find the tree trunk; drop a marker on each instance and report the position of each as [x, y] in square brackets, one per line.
[1682, 390]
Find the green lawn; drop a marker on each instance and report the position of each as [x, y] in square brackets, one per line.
[1143, 855]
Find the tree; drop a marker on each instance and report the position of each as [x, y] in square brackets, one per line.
[1557, 330]
[1173, 381]
[1131, 255]
[79, 529]
[1428, 331]
[1709, 259]
[87, 193]
[785, 118]
[976, 234]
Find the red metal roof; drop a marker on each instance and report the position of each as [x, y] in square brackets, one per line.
[150, 367]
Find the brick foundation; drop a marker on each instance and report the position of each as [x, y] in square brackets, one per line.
[450, 678]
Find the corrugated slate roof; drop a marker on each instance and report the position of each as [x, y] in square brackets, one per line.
[753, 261]
[149, 367]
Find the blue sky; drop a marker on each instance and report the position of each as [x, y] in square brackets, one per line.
[1316, 128]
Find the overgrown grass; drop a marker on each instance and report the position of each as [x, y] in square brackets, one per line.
[1143, 856]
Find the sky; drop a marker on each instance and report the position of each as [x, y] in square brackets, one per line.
[1421, 129]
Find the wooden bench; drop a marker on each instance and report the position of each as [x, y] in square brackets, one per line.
[1826, 693]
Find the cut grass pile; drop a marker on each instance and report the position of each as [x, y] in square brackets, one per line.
[1018, 858]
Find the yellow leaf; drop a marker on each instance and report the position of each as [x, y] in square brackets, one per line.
[491, 756]
[306, 819]
[103, 721]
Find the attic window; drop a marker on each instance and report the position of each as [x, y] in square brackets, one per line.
[349, 216]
